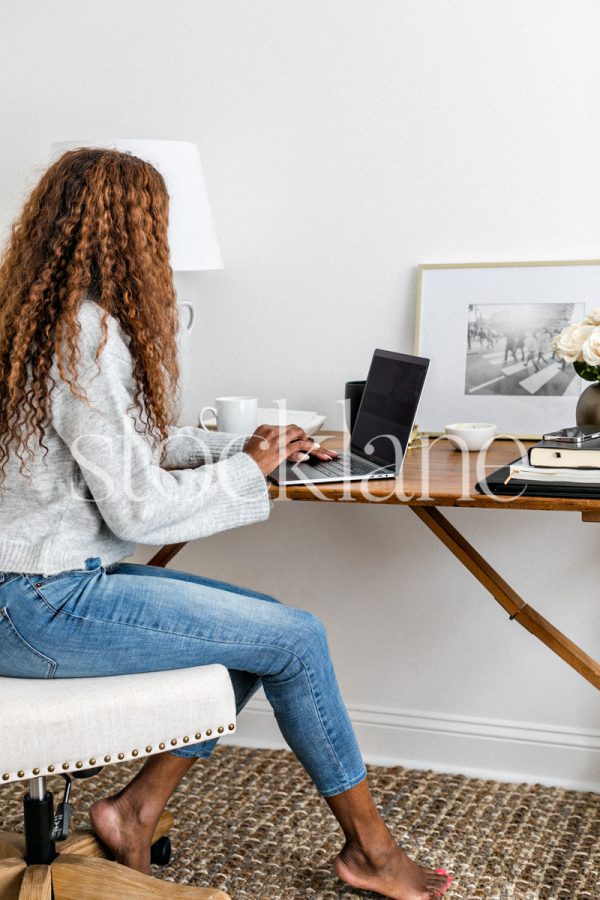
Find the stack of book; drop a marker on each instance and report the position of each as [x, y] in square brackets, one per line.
[552, 463]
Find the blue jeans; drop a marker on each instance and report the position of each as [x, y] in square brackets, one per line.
[125, 618]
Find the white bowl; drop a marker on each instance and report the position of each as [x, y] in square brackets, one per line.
[470, 435]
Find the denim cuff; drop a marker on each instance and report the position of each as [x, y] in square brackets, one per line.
[202, 750]
[344, 786]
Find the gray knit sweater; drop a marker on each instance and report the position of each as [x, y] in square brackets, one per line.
[101, 489]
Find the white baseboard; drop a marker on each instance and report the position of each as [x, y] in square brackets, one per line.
[499, 750]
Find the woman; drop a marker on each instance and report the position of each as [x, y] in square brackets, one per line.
[90, 465]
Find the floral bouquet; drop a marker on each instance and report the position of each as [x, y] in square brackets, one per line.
[580, 344]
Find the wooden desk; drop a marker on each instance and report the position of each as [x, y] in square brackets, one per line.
[435, 476]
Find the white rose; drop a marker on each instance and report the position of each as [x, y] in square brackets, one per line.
[593, 318]
[569, 342]
[591, 348]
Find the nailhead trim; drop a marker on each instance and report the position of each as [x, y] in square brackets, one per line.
[92, 762]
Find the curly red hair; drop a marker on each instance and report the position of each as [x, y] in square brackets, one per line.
[95, 223]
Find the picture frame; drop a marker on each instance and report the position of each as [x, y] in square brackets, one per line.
[486, 327]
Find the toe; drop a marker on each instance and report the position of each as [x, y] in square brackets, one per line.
[440, 887]
[439, 882]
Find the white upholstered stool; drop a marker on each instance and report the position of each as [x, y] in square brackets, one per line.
[54, 727]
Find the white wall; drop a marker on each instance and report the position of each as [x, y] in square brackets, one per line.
[344, 142]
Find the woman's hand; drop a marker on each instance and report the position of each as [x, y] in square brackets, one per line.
[271, 444]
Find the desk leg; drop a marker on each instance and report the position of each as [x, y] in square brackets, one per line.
[166, 554]
[508, 599]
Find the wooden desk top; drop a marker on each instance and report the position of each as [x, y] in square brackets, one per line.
[436, 475]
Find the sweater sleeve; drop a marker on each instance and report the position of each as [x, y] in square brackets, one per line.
[139, 500]
[189, 446]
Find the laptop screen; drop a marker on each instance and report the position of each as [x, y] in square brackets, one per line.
[389, 404]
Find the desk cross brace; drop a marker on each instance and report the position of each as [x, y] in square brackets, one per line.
[508, 598]
[514, 615]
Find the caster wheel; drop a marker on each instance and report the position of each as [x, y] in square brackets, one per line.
[160, 852]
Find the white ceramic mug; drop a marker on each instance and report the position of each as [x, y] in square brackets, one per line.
[234, 414]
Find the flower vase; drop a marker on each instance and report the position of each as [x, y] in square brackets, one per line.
[588, 405]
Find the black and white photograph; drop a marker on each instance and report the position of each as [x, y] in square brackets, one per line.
[487, 329]
[509, 349]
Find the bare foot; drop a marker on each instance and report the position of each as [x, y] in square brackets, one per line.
[388, 871]
[120, 827]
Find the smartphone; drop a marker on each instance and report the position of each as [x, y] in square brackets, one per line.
[575, 435]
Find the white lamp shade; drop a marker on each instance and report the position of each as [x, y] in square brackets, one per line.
[192, 236]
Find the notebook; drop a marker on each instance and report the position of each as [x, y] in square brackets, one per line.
[557, 454]
[496, 484]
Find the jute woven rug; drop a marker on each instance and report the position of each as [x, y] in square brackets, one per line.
[251, 823]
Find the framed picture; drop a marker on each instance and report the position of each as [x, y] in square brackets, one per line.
[487, 329]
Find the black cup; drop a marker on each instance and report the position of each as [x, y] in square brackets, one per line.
[353, 395]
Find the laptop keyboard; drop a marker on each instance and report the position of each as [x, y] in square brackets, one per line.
[343, 466]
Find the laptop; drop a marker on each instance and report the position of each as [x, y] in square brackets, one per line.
[382, 428]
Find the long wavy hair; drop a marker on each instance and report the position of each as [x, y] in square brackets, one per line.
[96, 223]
